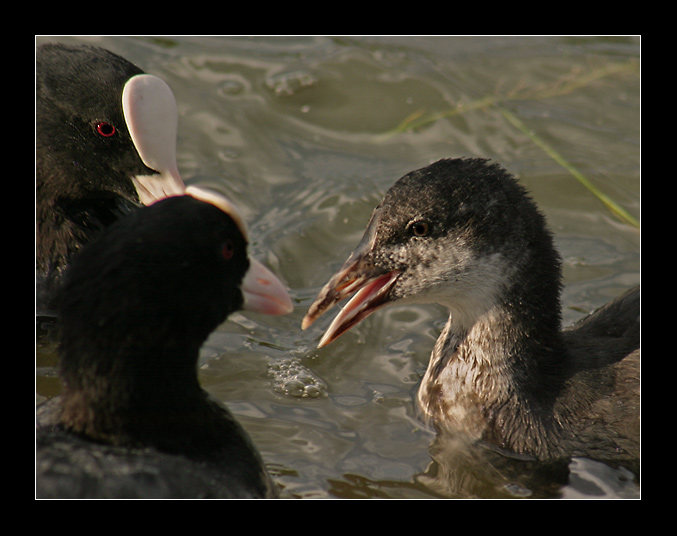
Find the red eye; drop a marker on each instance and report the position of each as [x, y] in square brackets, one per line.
[227, 250]
[105, 129]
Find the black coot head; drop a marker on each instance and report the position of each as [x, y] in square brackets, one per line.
[88, 124]
[171, 271]
[105, 144]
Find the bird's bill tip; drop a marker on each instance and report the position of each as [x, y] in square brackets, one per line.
[264, 292]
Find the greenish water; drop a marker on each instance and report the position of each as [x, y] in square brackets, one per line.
[307, 133]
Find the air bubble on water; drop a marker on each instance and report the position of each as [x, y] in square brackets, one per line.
[290, 377]
[290, 83]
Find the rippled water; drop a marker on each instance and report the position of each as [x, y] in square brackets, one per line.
[305, 133]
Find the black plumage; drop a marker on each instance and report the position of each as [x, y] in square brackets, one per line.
[93, 162]
[136, 306]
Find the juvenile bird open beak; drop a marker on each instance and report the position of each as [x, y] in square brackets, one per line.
[369, 286]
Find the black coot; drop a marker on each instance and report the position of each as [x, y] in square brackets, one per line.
[137, 303]
[105, 135]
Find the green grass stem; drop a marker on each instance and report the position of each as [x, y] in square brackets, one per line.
[576, 80]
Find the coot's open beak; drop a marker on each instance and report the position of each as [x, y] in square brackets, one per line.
[152, 118]
[370, 285]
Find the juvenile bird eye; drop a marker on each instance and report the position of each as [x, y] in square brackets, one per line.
[105, 129]
[227, 250]
[420, 228]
